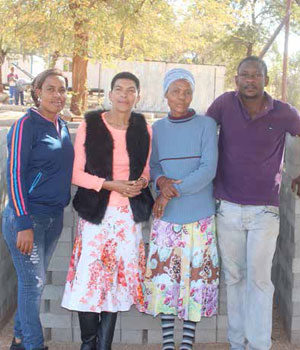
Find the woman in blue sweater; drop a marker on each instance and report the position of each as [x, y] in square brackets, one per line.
[39, 170]
[182, 274]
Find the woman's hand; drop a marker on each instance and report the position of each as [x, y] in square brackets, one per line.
[128, 189]
[25, 241]
[166, 187]
[159, 206]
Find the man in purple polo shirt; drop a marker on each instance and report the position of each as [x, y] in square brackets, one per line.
[251, 144]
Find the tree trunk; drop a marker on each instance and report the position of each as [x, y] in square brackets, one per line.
[79, 69]
[249, 49]
[2, 58]
[54, 59]
[79, 80]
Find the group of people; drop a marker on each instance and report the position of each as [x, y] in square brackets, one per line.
[208, 189]
[16, 87]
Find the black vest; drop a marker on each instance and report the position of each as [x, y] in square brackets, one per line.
[90, 204]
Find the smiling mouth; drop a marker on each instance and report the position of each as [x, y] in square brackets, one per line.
[57, 103]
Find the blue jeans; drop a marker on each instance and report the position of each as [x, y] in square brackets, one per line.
[19, 96]
[12, 94]
[31, 272]
[247, 236]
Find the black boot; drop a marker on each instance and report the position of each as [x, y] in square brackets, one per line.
[89, 323]
[16, 346]
[106, 330]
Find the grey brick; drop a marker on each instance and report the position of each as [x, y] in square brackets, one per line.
[59, 278]
[50, 320]
[63, 249]
[207, 323]
[59, 263]
[206, 336]
[140, 323]
[68, 219]
[131, 336]
[295, 326]
[296, 265]
[55, 308]
[154, 337]
[222, 336]
[76, 335]
[62, 334]
[52, 292]
[66, 235]
[222, 322]
[294, 337]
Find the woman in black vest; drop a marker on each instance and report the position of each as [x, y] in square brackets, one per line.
[111, 171]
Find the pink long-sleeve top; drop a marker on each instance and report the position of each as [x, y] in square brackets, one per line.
[120, 163]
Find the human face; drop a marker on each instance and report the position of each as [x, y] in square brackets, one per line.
[52, 94]
[251, 80]
[124, 95]
[179, 97]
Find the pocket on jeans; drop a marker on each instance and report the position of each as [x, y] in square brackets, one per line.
[218, 206]
[272, 210]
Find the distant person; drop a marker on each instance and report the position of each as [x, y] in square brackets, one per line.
[39, 170]
[253, 127]
[111, 168]
[12, 81]
[19, 93]
[182, 275]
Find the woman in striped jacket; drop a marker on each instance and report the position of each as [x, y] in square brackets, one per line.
[39, 170]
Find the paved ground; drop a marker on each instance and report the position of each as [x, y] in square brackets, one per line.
[280, 341]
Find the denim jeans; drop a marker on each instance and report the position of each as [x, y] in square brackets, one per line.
[247, 237]
[12, 94]
[31, 272]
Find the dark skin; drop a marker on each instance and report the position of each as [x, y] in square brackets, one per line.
[52, 96]
[251, 81]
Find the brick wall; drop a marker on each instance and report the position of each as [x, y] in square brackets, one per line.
[8, 280]
[133, 327]
[286, 267]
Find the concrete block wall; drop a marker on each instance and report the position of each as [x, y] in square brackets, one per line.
[8, 281]
[286, 265]
[133, 327]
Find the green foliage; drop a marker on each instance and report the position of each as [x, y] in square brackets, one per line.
[187, 31]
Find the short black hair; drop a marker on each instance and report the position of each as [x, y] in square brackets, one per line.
[254, 59]
[39, 80]
[125, 75]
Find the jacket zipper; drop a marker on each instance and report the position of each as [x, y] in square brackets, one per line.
[35, 182]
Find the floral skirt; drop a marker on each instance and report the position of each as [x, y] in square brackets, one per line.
[107, 265]
[182, 274]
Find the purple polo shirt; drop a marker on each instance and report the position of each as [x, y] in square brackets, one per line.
[251, 150]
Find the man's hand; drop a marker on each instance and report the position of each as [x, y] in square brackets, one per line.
[166, 187]
[25, 241]
[296, 184]
[159, 206]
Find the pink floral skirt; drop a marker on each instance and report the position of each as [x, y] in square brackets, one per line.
[182, 275]
[107, 266]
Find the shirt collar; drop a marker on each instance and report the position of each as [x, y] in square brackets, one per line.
[269, 104]
[190, 114]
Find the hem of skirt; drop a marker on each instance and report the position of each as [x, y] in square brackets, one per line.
[98, 310]
[198, 319]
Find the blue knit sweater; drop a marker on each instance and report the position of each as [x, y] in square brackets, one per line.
[186, 149]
